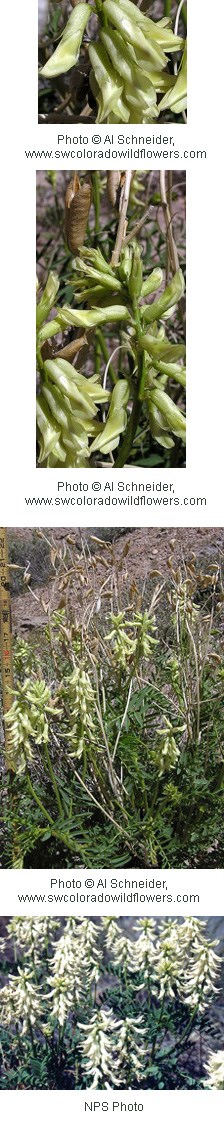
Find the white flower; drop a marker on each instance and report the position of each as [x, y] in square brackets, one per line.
[27, 721]
[169, 960]
[215, 1071]
[75, 966]
[100, 1058]
[201, 964]
[144, 951]
[32, 934]
[81, 698]
[120, 946]
[132, 1047]
[21, 1001]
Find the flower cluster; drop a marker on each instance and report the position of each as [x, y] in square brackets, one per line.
[66, 408]
[96, 279]
[68, 423]
[167, 752]
[133, 1048]
[20, 1001]
[180, 960]
[110, 1047]
[185, 607]
[27, 722]
[74, 967]
[120, 946]
[80, 698]
[129, 648]
[203, 967]
[68, 402]
[129, 62]
[98, 1048]
[32, 935]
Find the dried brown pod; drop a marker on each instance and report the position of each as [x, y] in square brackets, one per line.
[113, 186]
[77, 205]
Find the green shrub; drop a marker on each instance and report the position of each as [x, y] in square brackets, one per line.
[84, 1005]
[116, 731]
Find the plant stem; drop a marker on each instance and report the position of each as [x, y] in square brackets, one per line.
[122, 220]
[37, 800]
[96, 204]
[53, 780]
[126, 446]
[184, 16]
[54, 831]
[31, 1037]
[103, 810]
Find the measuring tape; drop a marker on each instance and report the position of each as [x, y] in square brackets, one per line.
[5, 627]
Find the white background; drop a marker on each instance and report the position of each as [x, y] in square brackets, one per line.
[205, 316]
[182, 885]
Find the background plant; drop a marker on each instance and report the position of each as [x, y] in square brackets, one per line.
[86, 1005]
[116, 747]
[113, 67]
[130, 397]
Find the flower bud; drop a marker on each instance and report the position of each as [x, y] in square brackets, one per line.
[67, 52]
[171, 294]
[171, 414]
[49, 329]
[125, 264]
[88, 318]
[48, 298]
[94, 256]
[153, 282]
[161, 349]
[175, 372]
[107, 280]
[158, 427]
[135, 280]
